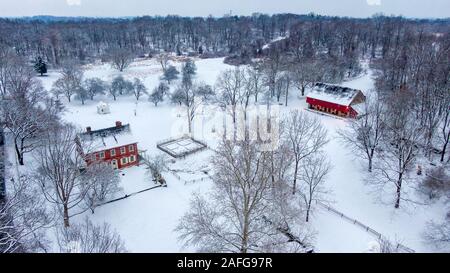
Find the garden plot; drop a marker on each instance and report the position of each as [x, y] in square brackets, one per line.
[181, 147]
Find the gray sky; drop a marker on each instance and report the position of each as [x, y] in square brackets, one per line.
[114, 8]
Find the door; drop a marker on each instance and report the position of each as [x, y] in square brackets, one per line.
[114, 164]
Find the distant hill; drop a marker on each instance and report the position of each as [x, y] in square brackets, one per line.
[51, 19]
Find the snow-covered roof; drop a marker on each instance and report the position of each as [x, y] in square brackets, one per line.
[108, 138]
[102, 104]
[333, 93]
[279, 38]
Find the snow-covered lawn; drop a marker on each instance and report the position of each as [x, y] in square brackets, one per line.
[146, 221]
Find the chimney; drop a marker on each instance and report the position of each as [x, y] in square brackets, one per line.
[118, 124]
[88, 129]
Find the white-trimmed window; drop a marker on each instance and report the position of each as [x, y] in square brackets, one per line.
[131, 148]
[132, 158]
[122, 150]
[102, 155]
[124, 160]
[113, 152]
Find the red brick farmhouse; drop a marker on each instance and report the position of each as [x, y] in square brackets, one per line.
[336, 100]
[114, 145]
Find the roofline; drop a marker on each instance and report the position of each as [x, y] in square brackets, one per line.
[331, 102]
[96, 151]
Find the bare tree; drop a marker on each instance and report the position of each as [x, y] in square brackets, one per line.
[239, 215]
[304, 74]
[120, 86]
[155, 166]
[432, 117]
[436, 183]
[438, 234]
[189, 97]
[385, 245]
[120, 58]
[306, 137]
[26, 115]
[254, 81]
[158, 93]
[400, 145]
[444, 127]
[58, 173]
[365, 133]
[10, 62]
[163, 60]
[89, 238]
[139, 88]
[71, 81]
[230, 86]
[94, 87]
[23, 218]
[313, 174]
[272, 68]
[102, 182]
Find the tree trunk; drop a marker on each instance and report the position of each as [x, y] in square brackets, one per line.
[189, 121]
[294, 185]
[244, 242]
[372, 151]
[308, 209]
[287, 94]
[19, 153]
[444, 148]
[399, 188]
[66, 216]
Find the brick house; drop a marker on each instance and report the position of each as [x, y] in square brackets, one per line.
[114, 145]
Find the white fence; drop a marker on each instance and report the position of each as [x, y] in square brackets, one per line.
[365, 227]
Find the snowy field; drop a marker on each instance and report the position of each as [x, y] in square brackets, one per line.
[146, 221]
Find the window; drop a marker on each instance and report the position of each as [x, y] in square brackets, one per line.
[131, 148]
[124, 160]
[132, 158]
[122, 150]
[102, 155]
[113, 152]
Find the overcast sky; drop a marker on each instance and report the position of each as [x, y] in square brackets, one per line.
[115, 8]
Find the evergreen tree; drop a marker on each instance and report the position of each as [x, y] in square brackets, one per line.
[40, 66]
[189, 70]
[170, 74]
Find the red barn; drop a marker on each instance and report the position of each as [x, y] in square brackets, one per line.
[335, 99]
[114, 145]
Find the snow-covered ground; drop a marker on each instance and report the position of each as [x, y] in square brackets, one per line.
[146, 221]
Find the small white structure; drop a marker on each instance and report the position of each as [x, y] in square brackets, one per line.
[103, 108]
